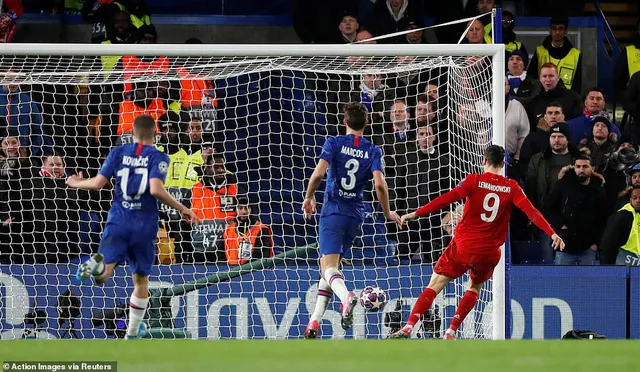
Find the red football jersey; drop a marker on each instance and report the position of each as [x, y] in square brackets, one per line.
[485, 220]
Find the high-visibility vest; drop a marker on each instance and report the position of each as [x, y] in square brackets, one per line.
[182, 169]
[238, 248]
[633, 242]
[633, 59]
[129, 111]
[132, 66]
[567, 66]
[210, 204]
[109, 62]
[135, 20]
[513, 45]
[487, 34]
[192, 90]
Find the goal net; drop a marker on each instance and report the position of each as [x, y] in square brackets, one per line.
[243, 126]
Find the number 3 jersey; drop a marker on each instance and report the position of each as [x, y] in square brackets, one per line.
[352, 161]
[133, 166]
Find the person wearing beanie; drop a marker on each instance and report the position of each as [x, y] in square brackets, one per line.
[594, 111]
[557, 49]
[543, 171]
[538, 141]
[522, 87]
[601, 144]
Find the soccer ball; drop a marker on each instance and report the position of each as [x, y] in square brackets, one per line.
[373, 298]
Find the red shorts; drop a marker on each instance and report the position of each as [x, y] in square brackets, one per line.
[453, 263]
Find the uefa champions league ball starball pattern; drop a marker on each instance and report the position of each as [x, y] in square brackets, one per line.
[373, 298]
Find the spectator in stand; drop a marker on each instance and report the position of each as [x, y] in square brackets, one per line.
[369, 90]
[348, 29]
[393, 16]
[522, 87]
[631, 103]
[553, 90]
[517, 125]
[23, 118]
[620, 244]
[364, 34]
[538, 141]
[628, 64]
[476, 33]
[101, 12]
[601, 144]
[577, 211]
[416, 37]
[509, 37]
[557, 49]
[315, 22]
[542, 175]
[483, 7]
[246, 238]
[594, 107]
[407, 83]
[11, 11]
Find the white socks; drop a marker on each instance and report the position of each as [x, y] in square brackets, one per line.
[334, 277]
[324, 296]
[137, 308]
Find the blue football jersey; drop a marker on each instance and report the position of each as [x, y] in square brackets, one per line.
[133, 165]
[352, 161]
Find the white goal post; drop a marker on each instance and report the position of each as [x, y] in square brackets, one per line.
[309, 59]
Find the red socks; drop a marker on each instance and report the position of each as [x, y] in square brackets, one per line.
[464, 307]
[422, 306]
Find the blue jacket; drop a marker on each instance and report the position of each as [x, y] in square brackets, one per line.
[25, 121]
[582, 127]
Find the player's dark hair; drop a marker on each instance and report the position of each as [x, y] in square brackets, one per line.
[494, 155]
[554, 104]
[144, 127]
[355, 115]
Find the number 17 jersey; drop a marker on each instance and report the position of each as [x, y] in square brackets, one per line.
[133, 166]
[352, 161]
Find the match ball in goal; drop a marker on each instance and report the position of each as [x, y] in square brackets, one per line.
[373, 298]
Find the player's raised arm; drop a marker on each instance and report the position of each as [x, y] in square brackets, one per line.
[156, 188]
[94, 183]
[521, 201]
[382, 191]
[309, 204]
[443, 201]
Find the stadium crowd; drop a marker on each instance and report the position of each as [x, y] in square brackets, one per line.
[577, 165]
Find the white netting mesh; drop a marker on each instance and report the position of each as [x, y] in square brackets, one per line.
[268, 118]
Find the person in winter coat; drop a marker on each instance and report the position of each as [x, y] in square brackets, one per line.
[577, 210]
[621, 239]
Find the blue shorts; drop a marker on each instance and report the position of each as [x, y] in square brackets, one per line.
[337, 233]
[133, 242]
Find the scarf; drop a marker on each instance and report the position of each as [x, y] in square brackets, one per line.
[400, 12]
[367, 95]
[515, 81]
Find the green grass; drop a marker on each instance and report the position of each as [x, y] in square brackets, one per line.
[335, 356]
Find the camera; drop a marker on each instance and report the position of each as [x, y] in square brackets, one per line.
[429, 327]
[114, 320]
[68, 306]
[34, 318]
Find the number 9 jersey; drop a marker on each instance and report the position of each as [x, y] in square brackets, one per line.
[133, 166]
[352, 161]
[487, 211]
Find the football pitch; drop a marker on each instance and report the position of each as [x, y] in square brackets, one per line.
[334, 355]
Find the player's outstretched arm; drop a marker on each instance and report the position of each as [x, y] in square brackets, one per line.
[382, 191]
[156, 188]
[309, 203]
[436, 204]
[521, 201]
[78, 181]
